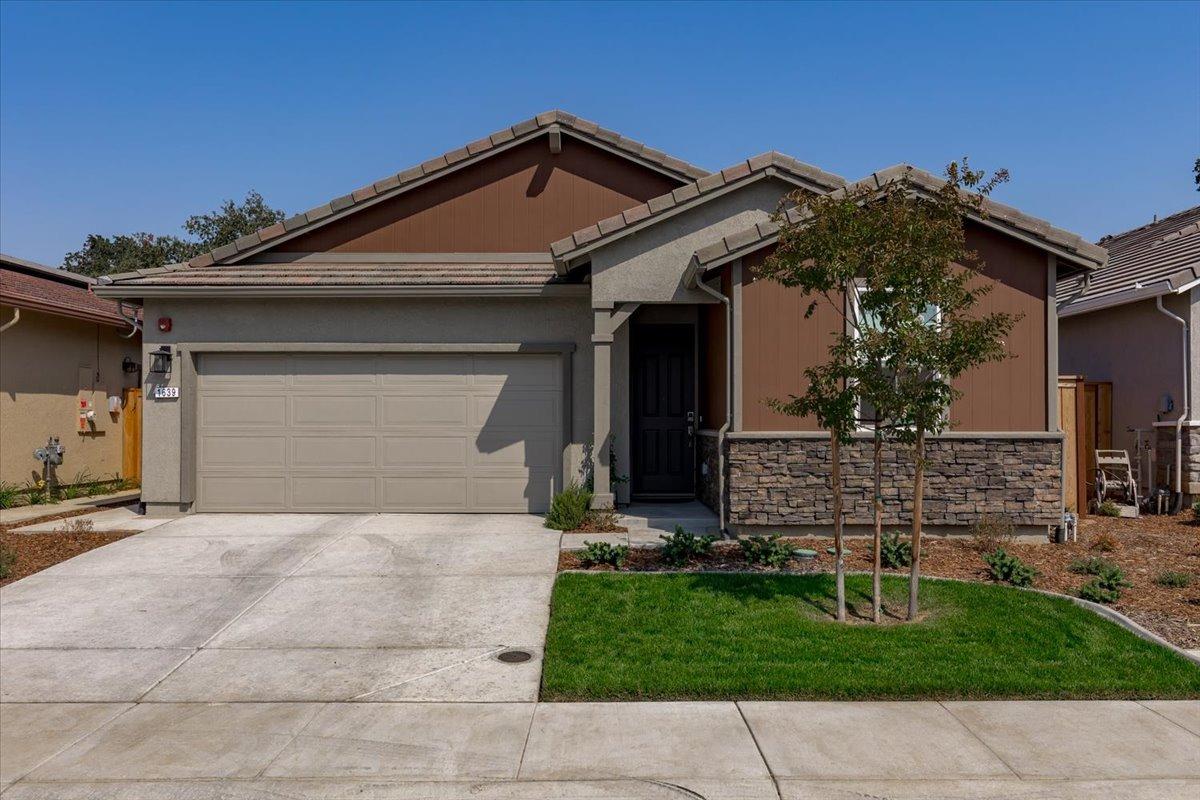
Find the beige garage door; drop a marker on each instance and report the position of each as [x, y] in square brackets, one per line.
[378, 432]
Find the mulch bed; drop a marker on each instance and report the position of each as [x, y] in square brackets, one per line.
[1144, 548]
[35, 552]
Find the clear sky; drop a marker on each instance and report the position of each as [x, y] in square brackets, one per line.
[116, 118]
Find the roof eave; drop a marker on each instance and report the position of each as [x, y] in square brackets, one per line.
[140, 291]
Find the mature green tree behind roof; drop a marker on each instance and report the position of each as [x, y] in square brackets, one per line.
[105, 255]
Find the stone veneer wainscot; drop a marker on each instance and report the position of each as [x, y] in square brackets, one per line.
[783, 480]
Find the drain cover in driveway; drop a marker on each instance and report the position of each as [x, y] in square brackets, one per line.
[515, 656]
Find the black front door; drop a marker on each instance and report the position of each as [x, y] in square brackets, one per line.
[662, 395]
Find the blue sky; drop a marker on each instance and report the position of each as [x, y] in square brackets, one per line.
[116, 118]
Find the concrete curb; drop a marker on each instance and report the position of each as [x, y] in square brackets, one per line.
[1110, 614]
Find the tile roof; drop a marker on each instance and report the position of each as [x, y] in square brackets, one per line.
[366, 274]
[1073, 244]
[404, 180]
[1163, 255]
[658, 206]
[26, 284]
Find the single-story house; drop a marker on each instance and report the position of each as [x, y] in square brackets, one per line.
[66, 361]
[552, 301]
[1135, 323]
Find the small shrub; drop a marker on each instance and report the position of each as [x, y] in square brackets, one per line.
[601, 520]
[1108, 509]
[768, 550]
[894, 552]
[1196, 510]
[1106, 586]
[1173, 580]
[1105, 542]
[597, 553]
[991, 533]
[569, 508]
[682, 546]
[37, 494]
[10, 493]
[1009, 569]
[75, 526]
[1091, 566]
[7, 559]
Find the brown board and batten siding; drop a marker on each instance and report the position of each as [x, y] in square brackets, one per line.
[517, 201]
[779, 343]
[713, 377]
[1008, 395]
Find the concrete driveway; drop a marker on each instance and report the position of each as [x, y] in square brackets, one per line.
[221, 607]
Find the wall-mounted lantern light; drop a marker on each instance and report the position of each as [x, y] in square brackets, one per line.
[160, 360]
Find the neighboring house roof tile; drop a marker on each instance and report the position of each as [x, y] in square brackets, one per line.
[401, 181]
[736, 244]
[707, 185]
[1144, 262]
[26, 284]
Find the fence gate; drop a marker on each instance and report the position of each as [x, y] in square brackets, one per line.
[1085, 417]
[131, 436]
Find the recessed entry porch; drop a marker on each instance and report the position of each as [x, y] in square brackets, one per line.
[656, 377]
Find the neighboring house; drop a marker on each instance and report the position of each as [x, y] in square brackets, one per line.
[1135, 323]
[467, 334]
[60, 346]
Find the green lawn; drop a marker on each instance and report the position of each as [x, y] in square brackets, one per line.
[660, 637]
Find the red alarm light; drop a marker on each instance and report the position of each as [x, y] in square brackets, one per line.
[164, 324]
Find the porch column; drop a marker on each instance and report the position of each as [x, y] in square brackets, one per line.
[602, 340]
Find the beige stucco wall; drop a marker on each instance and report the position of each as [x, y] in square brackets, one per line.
[45, 360]
[1139, 350]
[384, 320]
[648, 266]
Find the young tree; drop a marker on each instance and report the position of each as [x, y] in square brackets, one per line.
[892, 259]
[924, 303]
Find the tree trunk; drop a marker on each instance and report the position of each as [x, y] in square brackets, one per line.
[877, 567]
[835, 452]
[918, 507]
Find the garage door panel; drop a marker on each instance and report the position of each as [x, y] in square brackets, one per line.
[516, 409]
[243, 492]
[324, 492]
[241, 450]
[512, 493]
[378, 432]
[329, 411]
[424, 410]
[241, 371]
[334, 370]
[333, 451]
[424, 451]
[243, 411]
[424, 493]
[515, 449]
[399, 371]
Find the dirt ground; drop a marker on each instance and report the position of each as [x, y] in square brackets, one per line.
[34, 552]
[1144, 548]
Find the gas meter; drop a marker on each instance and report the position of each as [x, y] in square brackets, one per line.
[52, 453]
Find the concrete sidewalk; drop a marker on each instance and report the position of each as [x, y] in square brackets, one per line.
[750, 750]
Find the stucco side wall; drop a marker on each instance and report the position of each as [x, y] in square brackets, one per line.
[394, 320]
[1135, 347]
[45, 360]
[648, 266]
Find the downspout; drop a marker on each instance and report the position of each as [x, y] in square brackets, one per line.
[16, 318]
[704, 287]
[135, 324]
[1183, 414]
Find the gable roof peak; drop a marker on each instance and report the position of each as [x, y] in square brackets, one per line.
[402, 181]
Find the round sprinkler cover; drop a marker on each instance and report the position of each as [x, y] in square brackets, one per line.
[801, 552]
[514, 656]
